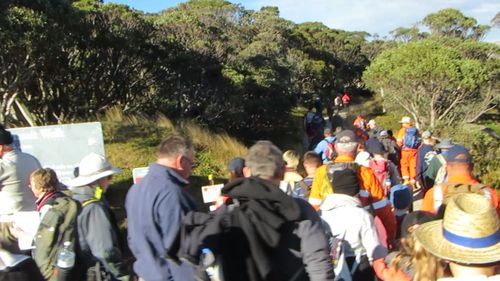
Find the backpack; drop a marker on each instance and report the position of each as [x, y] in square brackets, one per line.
[341, 174]
[452, 189]
[207, 242]
[441, 173]
[411, 139]
[58, 225]
[381, 170]
[330, 153]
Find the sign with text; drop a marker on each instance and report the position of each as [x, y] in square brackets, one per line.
[211, 193]
[60, 147]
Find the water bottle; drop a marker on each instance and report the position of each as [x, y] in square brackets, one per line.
[387, 185]
[208, 260]
[66, 258]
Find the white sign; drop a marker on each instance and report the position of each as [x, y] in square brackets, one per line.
[211, 193]
[60, 147]
[139, 173]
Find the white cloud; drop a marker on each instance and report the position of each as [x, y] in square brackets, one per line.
[375, 16]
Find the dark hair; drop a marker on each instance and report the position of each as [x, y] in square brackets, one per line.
[174, 145]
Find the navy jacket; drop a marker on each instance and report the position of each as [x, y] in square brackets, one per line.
[155, 208]
[422, 163]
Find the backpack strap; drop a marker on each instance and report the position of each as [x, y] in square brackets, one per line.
[90, 201]
[438, 197]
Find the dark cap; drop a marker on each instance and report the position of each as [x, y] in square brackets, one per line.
[458, 153]
[374, 146]
[346, 136]
[236, 166]
[5, 136]
[415, 218]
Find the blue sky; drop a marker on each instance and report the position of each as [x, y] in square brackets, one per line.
[373, 16]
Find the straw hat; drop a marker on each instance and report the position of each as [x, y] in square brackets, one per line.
[468, 234]
[91, 168]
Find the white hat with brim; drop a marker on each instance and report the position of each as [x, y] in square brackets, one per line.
[92, 168]
[468, 234]
[405, 120]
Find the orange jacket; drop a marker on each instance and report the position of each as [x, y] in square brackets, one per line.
[429, 203]
[368, 183]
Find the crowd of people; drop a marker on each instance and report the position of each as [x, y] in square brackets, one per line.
[344, 210]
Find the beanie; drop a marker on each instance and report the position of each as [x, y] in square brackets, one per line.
[5, 136]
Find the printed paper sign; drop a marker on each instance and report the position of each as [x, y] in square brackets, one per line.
[211, 193]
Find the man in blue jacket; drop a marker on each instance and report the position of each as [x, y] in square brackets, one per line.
[155, 208]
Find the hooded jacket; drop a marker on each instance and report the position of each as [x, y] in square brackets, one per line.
[348, 219]
[267, 235]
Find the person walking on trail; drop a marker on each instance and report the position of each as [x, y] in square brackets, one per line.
[346, 100]
[408, 138]
[459, 180]
[373, 129]
[15, 195]
[390, 145]
[348, 221]
[372, 192]
[467, 238]
[311, 163]
[436, 171]
[325, 148]
[337, 102]
[260, 233]
[100, 243]
[155, 208]
[425, 154]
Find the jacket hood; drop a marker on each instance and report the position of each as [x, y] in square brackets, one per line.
[334, 201]
[253, 188]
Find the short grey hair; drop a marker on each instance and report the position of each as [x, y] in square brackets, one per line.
[346, 147]
[265, 160]
[173, 146]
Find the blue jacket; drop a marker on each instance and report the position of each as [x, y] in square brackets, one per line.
[155, 208]
[322, 146]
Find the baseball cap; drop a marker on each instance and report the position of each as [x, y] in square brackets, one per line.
[346, 136]
[458, 153]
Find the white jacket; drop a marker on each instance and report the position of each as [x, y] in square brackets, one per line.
[344, 214]
[472, 278]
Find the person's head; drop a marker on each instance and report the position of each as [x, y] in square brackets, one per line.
[405, 121]
[235, 167]
[427, 138]
[383, 134]
[327, 132]
[468, 236]
[94, 171]
[458, 161]
[444, 146]
[413, 220]
[346, 143]
[43, 181]
[390, 133]
[372, 124]
[312, 161]
[6, 141]
[292, 159]
[265, 160]
[177, 153]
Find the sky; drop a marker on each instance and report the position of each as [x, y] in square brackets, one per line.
[374, 16]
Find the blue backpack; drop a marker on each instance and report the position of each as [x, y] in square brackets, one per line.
[411, 140]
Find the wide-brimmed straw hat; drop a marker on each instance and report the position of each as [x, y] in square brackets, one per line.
[468, 234]
[91, 168]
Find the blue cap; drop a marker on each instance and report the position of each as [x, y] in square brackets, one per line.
[236, 166]
[458, 153]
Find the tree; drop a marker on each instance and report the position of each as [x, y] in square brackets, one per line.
[434, 83]
[451, 22]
